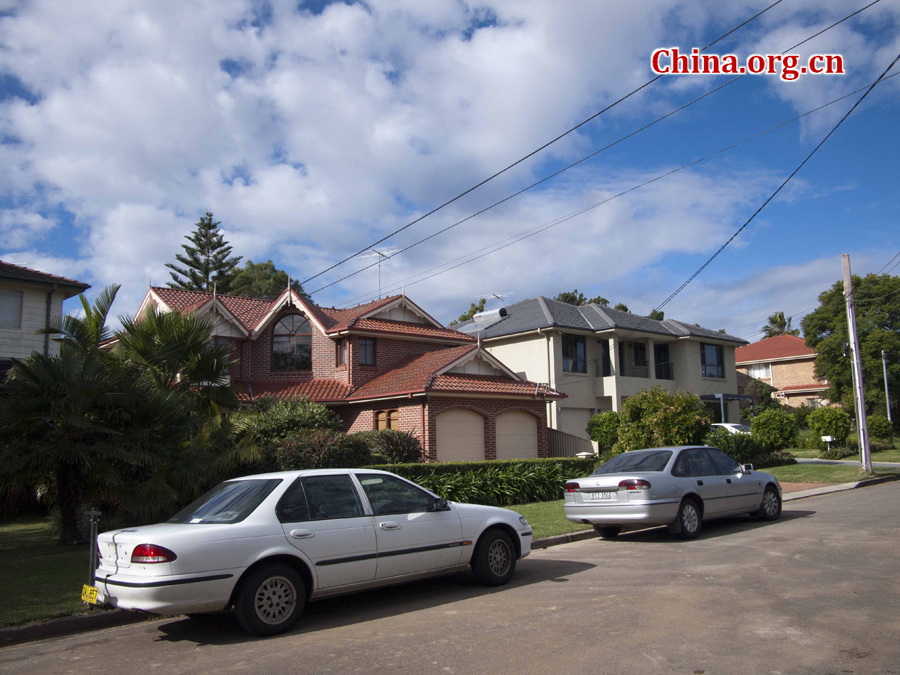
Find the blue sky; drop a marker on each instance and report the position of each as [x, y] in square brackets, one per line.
[311, 131]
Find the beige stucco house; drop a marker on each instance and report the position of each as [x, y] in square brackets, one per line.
[787, 364]
[598, 356]
[28, 300]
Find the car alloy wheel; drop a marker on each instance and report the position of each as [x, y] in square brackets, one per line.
[494, 558]
[771, 505]
[689, 519]
[275, 600]
[499, 557]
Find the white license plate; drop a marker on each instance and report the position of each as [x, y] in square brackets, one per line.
[597, 495]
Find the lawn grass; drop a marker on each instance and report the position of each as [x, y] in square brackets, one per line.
[547, 519]
[39, 579]
[889, 455]
[822, 473]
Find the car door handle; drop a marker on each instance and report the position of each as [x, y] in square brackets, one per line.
[389, 525]
[301, 534]
[699, 482]
[727, 480]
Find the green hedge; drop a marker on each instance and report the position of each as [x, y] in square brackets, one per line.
[496, 482]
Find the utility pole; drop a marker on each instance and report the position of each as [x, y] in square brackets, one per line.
[887, 393]
[859, 396]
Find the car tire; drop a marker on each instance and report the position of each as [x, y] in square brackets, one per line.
[690, 520]
[494, 559]
[270, 600]
[770, 509]
[608, 531]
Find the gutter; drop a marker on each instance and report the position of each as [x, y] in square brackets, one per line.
[47, 320]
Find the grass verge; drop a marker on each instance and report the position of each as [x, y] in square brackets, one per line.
[39, 579]
[822, 473]
[547, 519]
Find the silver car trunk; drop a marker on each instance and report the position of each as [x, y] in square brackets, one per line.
[605, 487]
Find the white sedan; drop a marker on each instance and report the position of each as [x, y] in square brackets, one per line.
[266, 544]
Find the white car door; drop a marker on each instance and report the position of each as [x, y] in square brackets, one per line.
[412, 537]
[324, 517]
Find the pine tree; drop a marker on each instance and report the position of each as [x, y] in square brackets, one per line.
[206, 262]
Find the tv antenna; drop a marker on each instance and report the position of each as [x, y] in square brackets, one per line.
[501, 296]
[382, 255]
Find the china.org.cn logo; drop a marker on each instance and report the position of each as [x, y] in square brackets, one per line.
[671, 61]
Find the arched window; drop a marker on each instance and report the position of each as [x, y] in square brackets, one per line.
[292, 344]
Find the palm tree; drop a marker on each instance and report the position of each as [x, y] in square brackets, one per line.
[778, 325]
[85, 333]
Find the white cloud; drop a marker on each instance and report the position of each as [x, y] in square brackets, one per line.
[331, 129]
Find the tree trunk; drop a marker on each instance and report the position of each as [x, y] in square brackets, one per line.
[68, 497]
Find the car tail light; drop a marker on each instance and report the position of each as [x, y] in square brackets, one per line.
[571, 487]
[634, 484]
[145, 554]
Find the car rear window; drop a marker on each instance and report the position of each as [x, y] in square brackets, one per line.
[636, 462]
[228, 502]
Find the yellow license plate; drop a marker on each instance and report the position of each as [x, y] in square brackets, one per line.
[89, 594]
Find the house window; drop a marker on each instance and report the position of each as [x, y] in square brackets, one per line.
[292, 344]
[712, 363]
[605, 365]
[10, 309]
[662, 363]
[813, 402]
[573, 354]
[387, 419]
[340, 353]
[761, 371]
[367, 351]
[219, 341]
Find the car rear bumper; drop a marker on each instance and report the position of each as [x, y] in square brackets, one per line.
[660, 512]
[170, 594]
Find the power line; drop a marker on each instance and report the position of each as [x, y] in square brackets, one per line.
[580, 161]
[533, 152]
[525, 234]
[888, 263]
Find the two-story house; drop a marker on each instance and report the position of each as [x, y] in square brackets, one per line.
[29, 299]
[386, 364]
[600, 356]
[787, 364]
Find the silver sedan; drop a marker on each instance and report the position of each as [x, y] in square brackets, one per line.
[676, 486]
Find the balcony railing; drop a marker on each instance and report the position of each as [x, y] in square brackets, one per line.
[665, 371]
[603, 368]
[635, 369]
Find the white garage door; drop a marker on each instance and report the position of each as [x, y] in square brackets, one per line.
[516, 435]
[574, 421]
[460, 436]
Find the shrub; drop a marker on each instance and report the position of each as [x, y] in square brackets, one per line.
[655, 418]
[321, 449]
[496, 482]
[837, 452]
[801, 414]
[879, 426]
[774, 429]
[747, 450]
[833, 422]
[273, 420]
[396, 447]
[604, 429]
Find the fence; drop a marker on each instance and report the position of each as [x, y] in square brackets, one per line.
[566, 445]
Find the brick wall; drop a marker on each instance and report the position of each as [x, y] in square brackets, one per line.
[793, 372]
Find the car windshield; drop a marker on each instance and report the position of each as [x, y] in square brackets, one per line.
[228, 502]
[741, 427]
[636, 462]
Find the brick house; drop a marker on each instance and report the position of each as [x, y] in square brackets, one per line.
[787, 364]
[386, 364]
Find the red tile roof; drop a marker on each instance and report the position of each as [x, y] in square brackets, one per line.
[418, 375]
[408, 328]
[323, 389]
[11, 272]
[340, 319]
[800, 387]
[778, 347]
[248, 311]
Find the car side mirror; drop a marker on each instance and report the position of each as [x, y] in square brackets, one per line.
[440, 505]
[747, 468]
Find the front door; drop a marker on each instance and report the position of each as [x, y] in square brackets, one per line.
[712, 487]
[411, 536]
[323, 517]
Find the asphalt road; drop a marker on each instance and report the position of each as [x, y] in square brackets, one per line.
[816, 592]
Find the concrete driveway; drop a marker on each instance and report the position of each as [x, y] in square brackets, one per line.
[815, 592]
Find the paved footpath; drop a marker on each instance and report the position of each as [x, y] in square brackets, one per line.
[816, 592]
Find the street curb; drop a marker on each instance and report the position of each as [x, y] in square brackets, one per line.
[112, 618]
[68, 625]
